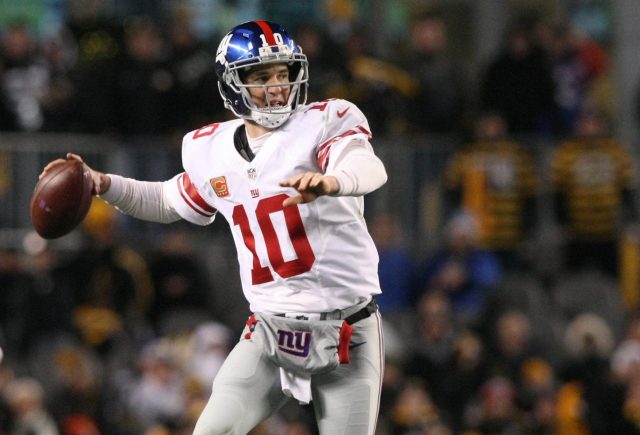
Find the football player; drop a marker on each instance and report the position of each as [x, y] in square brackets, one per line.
[289, 177]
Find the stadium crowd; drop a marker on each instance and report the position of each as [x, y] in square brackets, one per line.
[484, 335]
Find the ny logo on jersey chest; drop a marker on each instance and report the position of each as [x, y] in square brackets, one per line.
[294, 342]
[253, 174]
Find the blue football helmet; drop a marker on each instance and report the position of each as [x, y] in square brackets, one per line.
[257, 43]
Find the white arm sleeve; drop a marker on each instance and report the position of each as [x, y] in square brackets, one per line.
[144, 200]
[358, 170]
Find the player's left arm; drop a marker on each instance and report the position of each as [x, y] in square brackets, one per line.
[346, 158]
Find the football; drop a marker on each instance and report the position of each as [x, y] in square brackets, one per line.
[61, 199]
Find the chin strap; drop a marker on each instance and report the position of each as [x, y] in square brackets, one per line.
[269, 120]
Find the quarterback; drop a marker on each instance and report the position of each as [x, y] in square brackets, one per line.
[289, 178]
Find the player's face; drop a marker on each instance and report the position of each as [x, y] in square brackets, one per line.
[276, 79]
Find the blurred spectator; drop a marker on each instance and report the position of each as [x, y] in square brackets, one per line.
[377, 86]
[625, 367]
[433, 345]
[588, 339]
[512, 344]
[72, 378]
[396, 267]
[590, 291]
[113, 282]
[181, 284]
[393, 380]
[76, 384]
[598, 396]
[496, 411]
[461, 270]
[52, 296]
[571, 409]
[637, 105]
[536, 396]
[413, 411]
[586, 376]
[25, 77]
[581, 72]
[14, 305]
[526, 292]
[60, 53]
[631, 408]
[99, 37]
[8, 120]
[143, 82]
[36, 300]
[211, 343]
[6, 375]
[625, 360]
[494, 178]
[455, 387]
[325, 70]
[288, 422]
[99, 41]
[26, 401]
[518, 84]
[195, 100]
[570, 77]
[440, 102]
[79, 425]
[593, 178]
[296, 428]
[543, 417]
[439, 356]
[158, 395]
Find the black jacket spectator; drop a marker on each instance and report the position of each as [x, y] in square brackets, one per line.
[518, 85]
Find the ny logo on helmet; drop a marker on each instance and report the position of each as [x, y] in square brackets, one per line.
[221, 54]
[294, 342]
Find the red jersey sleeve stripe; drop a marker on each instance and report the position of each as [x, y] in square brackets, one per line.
[323, 158]
[268, 33]
[193, 207]
[365, 131]
[325, 148]
[193, 199]
[328, 142]
[322, 154]
[358, 129]
[194, 195]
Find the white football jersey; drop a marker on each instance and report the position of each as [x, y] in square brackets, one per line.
[313, 257]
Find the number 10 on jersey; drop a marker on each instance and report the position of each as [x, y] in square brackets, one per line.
[261, 274]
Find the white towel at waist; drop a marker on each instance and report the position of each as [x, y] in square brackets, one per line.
[296, 386]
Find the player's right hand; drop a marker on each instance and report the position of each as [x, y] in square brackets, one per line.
[101, 181]
[310, 186]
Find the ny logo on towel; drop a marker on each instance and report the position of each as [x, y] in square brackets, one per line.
[294, 342]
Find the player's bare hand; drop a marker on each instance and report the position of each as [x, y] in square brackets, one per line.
[101, 182]
[310, 186]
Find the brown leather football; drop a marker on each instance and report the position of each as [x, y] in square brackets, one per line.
[61, 199]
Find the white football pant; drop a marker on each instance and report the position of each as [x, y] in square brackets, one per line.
[247, 389]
